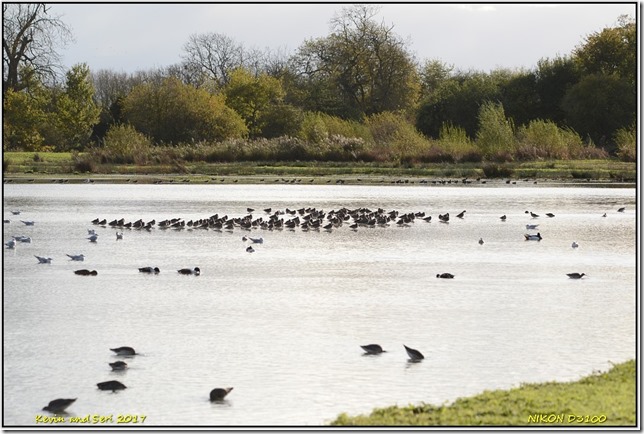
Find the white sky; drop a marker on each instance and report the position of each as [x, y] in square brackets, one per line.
[132, 37]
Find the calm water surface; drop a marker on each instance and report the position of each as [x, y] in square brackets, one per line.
[284, 325]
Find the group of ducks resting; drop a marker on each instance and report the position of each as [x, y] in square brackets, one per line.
[60, 405]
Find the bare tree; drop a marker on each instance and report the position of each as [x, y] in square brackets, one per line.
[216, 55]
[30, 36]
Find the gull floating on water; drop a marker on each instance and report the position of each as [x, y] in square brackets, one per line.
[22, 238]
[43, 260]
[219, 393]
[531, 226]
[196, 271]
[124, 351]
[11, 244]
[259, 240]
[59, 405]
[80, 257]
[372, 349]
[414, 355]
[92, 238]
[112, 385]
[154, 270]
[575, 275]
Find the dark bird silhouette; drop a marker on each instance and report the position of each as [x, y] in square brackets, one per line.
[84, 272]
[414, 355]
[112, 385]
[59, 405]
[118, 365]
[219, 393]
[154, 270]
[124, 351]
[575, 275]
[461, 214]
[445, 276]
[196, 271]
[372, 349]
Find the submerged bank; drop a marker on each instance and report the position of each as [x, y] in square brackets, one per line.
[601, 399]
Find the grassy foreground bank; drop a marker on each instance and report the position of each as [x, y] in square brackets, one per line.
[601, 399]
[42, 167]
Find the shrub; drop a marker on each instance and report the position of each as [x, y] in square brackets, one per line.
[626, 141]
[545, 140]
[495, 135]
[396, 136]
[124, 144]
[83, 163]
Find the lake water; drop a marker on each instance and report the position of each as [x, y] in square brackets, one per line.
[284, 325]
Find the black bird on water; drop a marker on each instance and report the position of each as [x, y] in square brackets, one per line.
[218, 394]
[414, 355]
[112, 385]
[445, 276]
[118, 365]
[575, 275]
[372, 349]
[124, 351]
[59, 405]
[154, 270]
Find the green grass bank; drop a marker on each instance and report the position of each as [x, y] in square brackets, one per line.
[42, 167]
[601, 399]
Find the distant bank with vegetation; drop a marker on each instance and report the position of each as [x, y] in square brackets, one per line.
[182, 165]
[602, 399]
[357, 97]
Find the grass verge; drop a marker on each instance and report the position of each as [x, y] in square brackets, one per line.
[606, 399]
[17, 165]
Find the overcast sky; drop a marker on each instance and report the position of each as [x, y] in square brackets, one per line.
[132, 37]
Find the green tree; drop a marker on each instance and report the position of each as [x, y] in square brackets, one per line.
[613, 51]
[495, 136]
[553, 79]
[73, 112]
[253, 97]
[361, 68]
[458, 103]
[173, 112]
[22, 118]
[598, 106]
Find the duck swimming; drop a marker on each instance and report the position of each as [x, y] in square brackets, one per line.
[219, 393]
[112, 385]
[533, 237]
[154, 270]
[372, 349]
[414, 355]
[445, 276]
[124, 351]
[187, 271]
[59, 405]
[85, 272]
[575, 275]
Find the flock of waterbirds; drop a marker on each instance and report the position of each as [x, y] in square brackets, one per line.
[304, 218]
[58, 406]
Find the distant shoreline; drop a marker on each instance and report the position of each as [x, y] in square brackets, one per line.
[373, 180]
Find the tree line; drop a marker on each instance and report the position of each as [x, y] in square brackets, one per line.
[356, 94]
